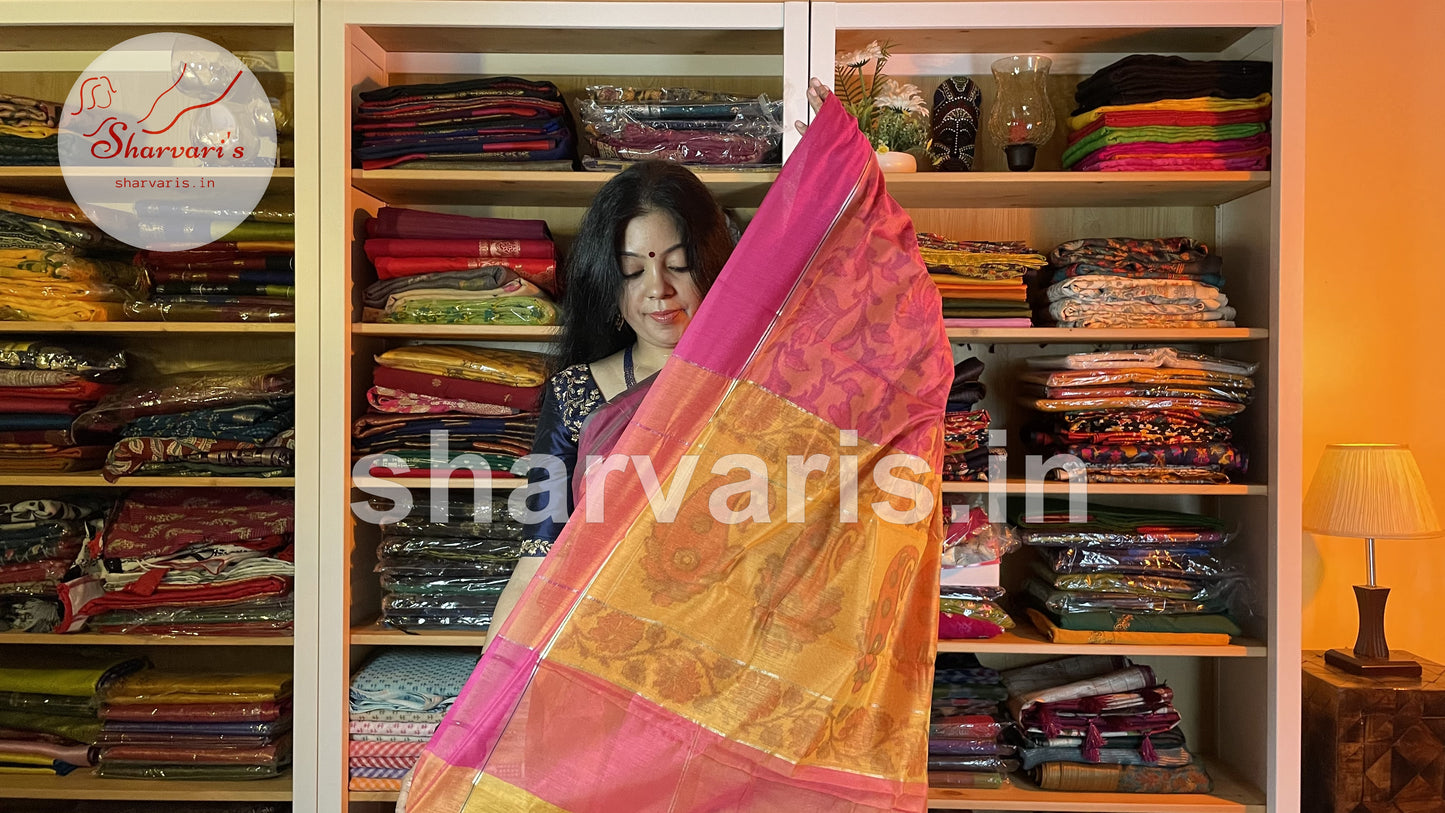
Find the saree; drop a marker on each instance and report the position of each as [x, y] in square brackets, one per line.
[764, 665]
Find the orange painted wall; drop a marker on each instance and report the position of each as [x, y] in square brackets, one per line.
[1374, 279]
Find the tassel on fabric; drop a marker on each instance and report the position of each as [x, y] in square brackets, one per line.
[1051, 725]
[1146, 750]
[1093, 741]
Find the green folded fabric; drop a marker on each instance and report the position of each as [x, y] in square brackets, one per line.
[252, 230]
[1145, 622]
[1105, 136]
[73, 681]
[74, 728]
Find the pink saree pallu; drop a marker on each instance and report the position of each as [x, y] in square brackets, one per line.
[731, 643]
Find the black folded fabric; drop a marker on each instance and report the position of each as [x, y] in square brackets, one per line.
[1143, 78]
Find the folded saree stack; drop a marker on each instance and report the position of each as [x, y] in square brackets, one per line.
[498, 122]
[246, 274]
[28, 132]
[1100, 723]
[447, 571]
[1130, 575]
[55, 266]
[1166, 113]
[40, 540]
[973, 550]
[196, 725]
[1157, 415]
[43, 387]
[240, 422]
[966, 729]
[682, 125]
[966, 448]
[190, 561]
[397, 701]
[436, 406]
[981, 283]
[49, 721]
[436, 268]
[1106, 282]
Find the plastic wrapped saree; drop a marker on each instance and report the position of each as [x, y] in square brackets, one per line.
[756, 663]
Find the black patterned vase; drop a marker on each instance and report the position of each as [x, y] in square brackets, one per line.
[955, 124]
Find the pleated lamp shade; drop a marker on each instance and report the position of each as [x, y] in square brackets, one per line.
[1369, 490]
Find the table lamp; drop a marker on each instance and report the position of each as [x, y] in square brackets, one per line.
[1374, 491]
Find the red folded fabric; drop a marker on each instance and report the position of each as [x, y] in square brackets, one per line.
[187, 712]
[482, 392]
[372, 748]
[41, 571]
[80, 389]
[396, 221]
[403, 763]
[525, 267]
[45, 406]
[1171, 118]
[163, 521]
[87, 596]
[390, 247]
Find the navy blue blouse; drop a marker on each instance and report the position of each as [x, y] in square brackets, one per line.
[571, 396]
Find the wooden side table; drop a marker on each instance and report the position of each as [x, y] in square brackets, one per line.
[1373, 745]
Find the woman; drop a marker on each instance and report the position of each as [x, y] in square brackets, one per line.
[647, 251]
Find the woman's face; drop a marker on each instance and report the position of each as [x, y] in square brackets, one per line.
[659, 294]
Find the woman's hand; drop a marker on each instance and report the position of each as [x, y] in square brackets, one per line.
[817, 94]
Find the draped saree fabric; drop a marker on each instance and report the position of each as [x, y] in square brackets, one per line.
[754, 664]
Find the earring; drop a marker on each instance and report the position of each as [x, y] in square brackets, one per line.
[618, 322]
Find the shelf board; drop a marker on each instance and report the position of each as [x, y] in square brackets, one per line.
[376, 635]
[1230, 795]
[114, 639]
[924, 190]
[981, 40]
[92, 479]
[1026, 640]
[1019, 486]
[401, 187]
[469, 332]
[1066, 190]
[86, 786]
[50, 182]
[143, 328]
[554, 39]
[1086, 335]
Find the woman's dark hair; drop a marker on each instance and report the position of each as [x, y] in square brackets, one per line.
[594, 274]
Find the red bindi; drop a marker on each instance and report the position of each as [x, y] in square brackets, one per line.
[652, 253]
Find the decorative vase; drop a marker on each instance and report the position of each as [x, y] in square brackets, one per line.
[1022, 119]
[896, 161]
[955, 124]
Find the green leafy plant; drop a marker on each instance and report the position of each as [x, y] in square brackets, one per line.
[890, 113]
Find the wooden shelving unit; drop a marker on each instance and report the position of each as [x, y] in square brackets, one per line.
[1242, 696]
[45, 47]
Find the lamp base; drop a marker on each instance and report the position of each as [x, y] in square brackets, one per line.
[1347, 661]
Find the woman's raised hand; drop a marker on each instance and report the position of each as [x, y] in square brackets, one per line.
[817, 94]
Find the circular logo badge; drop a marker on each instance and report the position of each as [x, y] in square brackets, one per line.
[167, 141]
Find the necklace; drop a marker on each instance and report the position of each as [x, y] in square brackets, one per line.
[629, 376]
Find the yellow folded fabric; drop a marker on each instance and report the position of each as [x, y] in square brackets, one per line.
[161, 686]
[515, 368]
[26, 759]
[1211, 104]
[28, 130]
[1059, 635]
